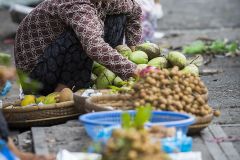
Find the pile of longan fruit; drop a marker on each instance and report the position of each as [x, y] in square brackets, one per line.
[132, 144]
[172, 90]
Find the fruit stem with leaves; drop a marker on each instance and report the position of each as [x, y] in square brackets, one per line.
[143, 115]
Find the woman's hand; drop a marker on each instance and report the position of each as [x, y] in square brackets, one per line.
[137, 72]
[133, 48]
[6, 74]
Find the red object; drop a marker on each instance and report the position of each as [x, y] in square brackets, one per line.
[8, 41]
[147, 70]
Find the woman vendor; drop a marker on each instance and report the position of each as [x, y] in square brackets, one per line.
[58, 41]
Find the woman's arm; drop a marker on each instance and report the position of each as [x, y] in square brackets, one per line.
[84, 21]
[3, 128]
[133, 28]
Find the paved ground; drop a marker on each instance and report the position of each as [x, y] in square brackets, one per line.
[190, 19]
[184, 21]
[200, 14]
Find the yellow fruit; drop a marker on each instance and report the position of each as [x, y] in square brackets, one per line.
[28, 99]
[217, 113]
[40, 99]
[54, 94]
[50, 99]
[66, 95]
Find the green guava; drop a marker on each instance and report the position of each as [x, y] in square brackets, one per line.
[138, 57]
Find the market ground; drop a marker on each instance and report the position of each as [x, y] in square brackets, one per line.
[184, 21]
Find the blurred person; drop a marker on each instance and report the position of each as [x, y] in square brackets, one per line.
[59, 40]
[151, 13]
[8, 150]
[6, 73]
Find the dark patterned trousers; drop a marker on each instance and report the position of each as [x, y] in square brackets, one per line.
[64, 61]
[3, 128]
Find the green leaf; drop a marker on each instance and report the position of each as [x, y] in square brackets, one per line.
[97, 147]
[142, 116]
[218, 47]
[114, 88]
[123, 83]
[126, 120]
[197, 47]
[120, 142]
[27, 83]
[232, 47]
[5, 59]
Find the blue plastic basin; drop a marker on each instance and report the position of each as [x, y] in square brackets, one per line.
[95, 122]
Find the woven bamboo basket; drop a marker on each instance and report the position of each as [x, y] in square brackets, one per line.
[201, 123]
[106, 103]
[80, 101]
[23, 117]
[109, 103]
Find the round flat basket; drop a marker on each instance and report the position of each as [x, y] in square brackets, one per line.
[201, 123]
[197, 128]
[80, 100]
[106, 103]
[205, 119]
[24, 117]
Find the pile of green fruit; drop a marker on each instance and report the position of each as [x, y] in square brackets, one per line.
[56, 97]
[173, 91]
[5, 59]
[147, 54]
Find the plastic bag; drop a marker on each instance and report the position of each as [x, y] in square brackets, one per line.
[66, 155]
[90, 93]
[179, 143]
[7, 87]
[186, 156]
[158, 11]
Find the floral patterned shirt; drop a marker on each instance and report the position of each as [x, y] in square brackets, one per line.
[52, 17]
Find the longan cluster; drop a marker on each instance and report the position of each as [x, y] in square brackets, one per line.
[172, 90]
[161, 132]
[132, 144]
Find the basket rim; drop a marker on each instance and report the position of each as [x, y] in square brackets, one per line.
[196, 126]
[79, 92]
[188, 121]
[43, 119]
[91, 99]
[91, 105]
[35, 107]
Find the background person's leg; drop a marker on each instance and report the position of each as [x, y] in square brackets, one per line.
[114, 29]
[77, 66]
[3, 128]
